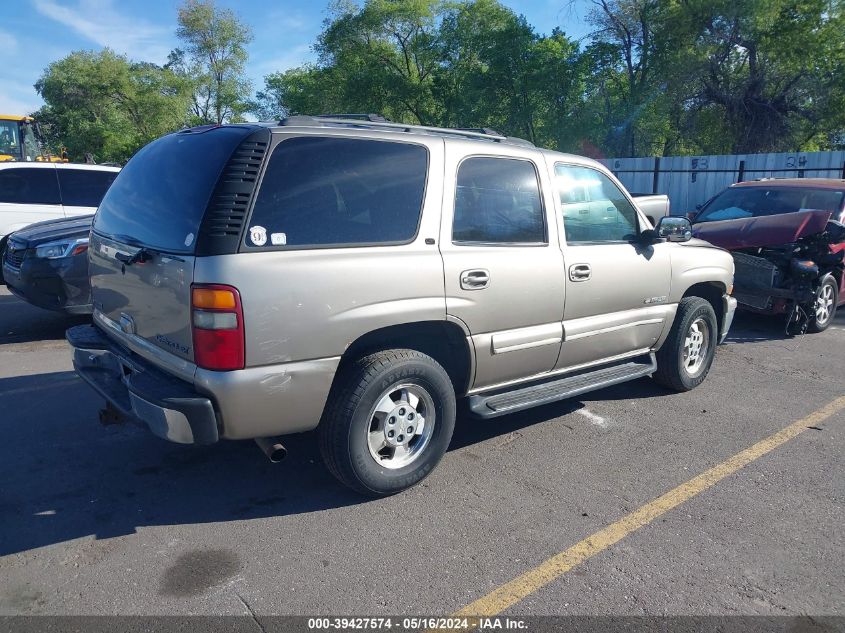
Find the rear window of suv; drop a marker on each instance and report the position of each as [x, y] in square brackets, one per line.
[160, 197]
[323, 191]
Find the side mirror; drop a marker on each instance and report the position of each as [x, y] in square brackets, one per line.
[674, 229]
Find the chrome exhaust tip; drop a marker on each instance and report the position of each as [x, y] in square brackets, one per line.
[272, 448]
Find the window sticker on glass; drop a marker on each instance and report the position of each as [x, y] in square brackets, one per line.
[278, 239]
[258, 235]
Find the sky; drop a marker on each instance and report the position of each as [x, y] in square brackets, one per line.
[34, 33]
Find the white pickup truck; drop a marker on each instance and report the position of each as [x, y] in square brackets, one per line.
[653, 205]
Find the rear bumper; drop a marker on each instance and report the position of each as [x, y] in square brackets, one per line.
[728, 310]
[170, 407]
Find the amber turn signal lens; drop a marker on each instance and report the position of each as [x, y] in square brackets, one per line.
[213, 299]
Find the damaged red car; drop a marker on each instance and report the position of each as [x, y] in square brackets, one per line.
[787, 238]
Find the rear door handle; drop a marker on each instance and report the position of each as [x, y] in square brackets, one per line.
[475, 279]
[580, 272]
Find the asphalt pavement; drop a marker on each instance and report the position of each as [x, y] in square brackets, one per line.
[111, 520]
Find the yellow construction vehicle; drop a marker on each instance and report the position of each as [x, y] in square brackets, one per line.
[20, 140]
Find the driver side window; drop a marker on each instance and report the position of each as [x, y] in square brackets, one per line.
[594, 209]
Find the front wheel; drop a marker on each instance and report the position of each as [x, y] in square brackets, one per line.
[687, 354]
[388, 421]
[825, 306]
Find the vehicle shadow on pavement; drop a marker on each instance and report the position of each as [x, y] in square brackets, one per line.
[23, 323]
[753, 328]
[470, 430]
[65, 476]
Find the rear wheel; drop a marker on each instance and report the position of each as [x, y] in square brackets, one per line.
[687, 354]
[825, 308]
[388, 421]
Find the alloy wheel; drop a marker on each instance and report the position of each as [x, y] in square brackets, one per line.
[824, 304]
[696, 345]
[401, 425]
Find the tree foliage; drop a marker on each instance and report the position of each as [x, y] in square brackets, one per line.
[103, 104]
[719, 76]
[460, 64]
[658, 77]
[214, 60]
[772, 70]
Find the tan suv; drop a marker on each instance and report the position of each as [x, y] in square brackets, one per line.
[358, 276]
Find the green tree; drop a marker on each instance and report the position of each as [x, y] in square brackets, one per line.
[214, 60]
[717, 76]
[465, 64]
[381, 57]
[384, 57]
[497, 72]
[660, 77]
[103, 104]
[489, 68]
[309, 89]
[634, 76]
[771, 70]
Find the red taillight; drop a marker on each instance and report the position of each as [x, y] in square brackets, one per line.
[217, 322]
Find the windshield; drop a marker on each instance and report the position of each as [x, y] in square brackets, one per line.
[737, 203]
[30, 144]
[10, 142]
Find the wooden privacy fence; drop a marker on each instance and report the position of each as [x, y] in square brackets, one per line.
[692, 180]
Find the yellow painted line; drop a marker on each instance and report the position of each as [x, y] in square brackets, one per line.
[522, 586]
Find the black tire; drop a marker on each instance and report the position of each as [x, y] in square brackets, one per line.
[671, 367]
[346, 422]
[828, 285]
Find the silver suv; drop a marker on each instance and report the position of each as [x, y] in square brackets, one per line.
[359, 276]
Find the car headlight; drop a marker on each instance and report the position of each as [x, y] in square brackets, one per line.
[63, 248]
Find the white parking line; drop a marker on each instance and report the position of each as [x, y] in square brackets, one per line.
[592, 417]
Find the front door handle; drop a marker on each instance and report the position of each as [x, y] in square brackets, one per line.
[580, 272]
[475, 279]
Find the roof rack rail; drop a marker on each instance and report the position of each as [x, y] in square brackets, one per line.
[480, 130]
[359, 120]
[299, 119]
[372, 118]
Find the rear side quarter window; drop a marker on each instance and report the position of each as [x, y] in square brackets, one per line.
[332, 191]
[29, 185]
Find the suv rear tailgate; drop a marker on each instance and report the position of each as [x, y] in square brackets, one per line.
[178, 198]
[147, 301]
